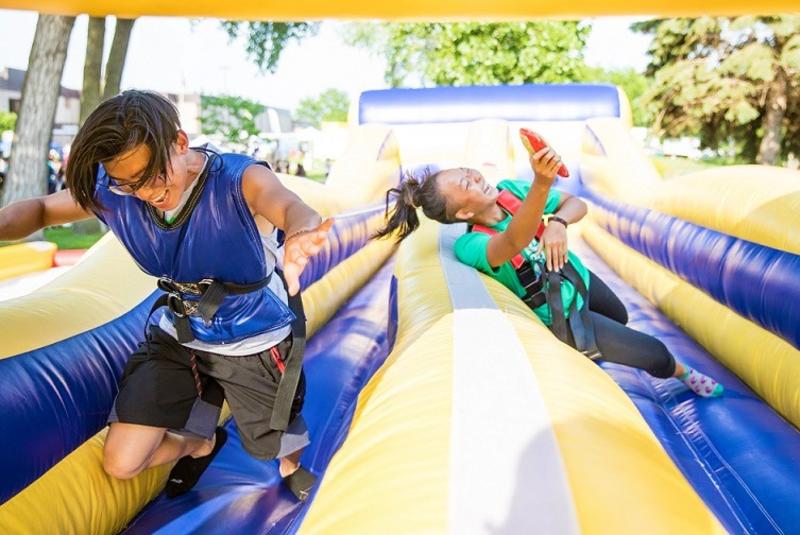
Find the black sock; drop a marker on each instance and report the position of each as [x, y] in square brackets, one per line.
[187, 470]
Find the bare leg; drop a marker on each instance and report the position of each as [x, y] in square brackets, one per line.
[290, 463]
[131, 448]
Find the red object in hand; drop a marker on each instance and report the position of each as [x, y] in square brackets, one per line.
[533, 142]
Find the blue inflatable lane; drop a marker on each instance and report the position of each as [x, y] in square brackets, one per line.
[239, 494]
[736, 451]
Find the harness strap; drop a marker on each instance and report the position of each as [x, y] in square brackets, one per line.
[287, 388]
[510, 203]
[579, 322]
[557, 316]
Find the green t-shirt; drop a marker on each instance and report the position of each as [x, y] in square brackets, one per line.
[470, 249]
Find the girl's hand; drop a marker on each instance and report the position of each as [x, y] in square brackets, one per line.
[545, 164]
[298, 248]
[554, 243]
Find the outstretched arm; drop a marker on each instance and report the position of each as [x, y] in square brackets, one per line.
[20, 219]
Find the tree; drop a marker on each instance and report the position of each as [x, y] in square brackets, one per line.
[40, 91]
[92, 67]
[727, 79]
[231, 116]
[95, 87]
[467, 53]
[635, 85]
[116, 57]
[330, 105]
[265, 41]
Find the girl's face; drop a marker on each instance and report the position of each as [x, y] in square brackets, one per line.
[162, 191]
[466, 191]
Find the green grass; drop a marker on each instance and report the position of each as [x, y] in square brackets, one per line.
[317, 177]
[672, 167]
[66, 238]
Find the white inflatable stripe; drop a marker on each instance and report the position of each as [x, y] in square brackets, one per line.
[506, 471]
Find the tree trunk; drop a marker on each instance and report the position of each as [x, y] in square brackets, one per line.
[27, 175]
[90, 95]
[770, 149]
[116, 57]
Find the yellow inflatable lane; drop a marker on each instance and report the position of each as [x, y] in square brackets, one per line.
[471, 423]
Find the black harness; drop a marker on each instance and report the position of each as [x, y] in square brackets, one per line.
[211, 293]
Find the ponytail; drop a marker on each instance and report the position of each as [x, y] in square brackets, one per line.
[413, 193]
[404, 216]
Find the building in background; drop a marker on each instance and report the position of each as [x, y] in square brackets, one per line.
[68, 110]
[274, 121]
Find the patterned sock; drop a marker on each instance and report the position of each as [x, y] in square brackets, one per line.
[700, 384]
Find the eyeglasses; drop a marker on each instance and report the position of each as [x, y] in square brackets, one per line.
[128, 189]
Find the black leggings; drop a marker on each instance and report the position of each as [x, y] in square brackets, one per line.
[621, 344]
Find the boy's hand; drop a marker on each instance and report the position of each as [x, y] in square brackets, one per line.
[298, 248]
[554, 243]
[545, 164]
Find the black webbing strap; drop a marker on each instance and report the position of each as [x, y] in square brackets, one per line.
[580, 321]
[284, 399]
[534, 295]
[183, 328]
[557, 316]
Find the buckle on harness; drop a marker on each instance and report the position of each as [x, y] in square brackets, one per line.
[204, 285]
[194, 288]
[180, 307]
[176, 305]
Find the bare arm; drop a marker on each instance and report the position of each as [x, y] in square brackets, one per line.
[267, 197]
[554, 239]
[520, 232]
[306, 233]
[19, 219]
[570, 208]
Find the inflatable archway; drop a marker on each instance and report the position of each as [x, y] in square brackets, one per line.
[411, 10]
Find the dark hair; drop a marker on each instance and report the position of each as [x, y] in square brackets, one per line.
[414, 193]
[116, 126]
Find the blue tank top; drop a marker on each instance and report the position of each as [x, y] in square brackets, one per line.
[213, 237]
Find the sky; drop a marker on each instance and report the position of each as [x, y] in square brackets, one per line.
[179, 55]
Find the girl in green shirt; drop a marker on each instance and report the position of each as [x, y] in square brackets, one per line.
[587, 308]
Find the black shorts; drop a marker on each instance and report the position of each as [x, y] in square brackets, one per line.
[167, 385]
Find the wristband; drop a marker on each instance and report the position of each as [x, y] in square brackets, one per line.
[559, 220]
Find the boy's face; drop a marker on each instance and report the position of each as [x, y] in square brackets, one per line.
[162, 192]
